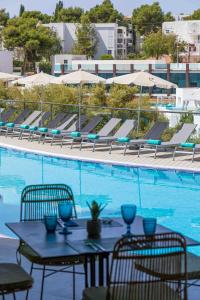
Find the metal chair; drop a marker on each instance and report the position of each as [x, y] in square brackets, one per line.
[152, 268]
[13, 279]
[37, 200]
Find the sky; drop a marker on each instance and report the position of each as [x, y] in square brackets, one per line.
[125, 6]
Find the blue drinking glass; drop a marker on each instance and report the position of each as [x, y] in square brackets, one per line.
[149, 226]
[50, 222]
[128, 212]
[65, 213]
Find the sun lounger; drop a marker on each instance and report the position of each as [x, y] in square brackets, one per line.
[57, 134]
[75, 137]
[180, 137]
[6, 114]
[13, 127]
[154, 133]
[17, 129]
[102, 135]
[22, 116]
[42, 132]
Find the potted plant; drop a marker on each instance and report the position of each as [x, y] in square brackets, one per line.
[94, 225]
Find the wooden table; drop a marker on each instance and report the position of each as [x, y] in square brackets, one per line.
[48, 245]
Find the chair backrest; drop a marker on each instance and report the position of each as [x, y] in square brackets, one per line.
[44, 116]
[22, 116]
[41, 199]
[156, 130]
[75, 126]
[35, 114]
[148, 268]
[6, 114]
[183, 134]
[56, 120]
[109, 126]
[125, 128]
[92, 124]
[67, 121]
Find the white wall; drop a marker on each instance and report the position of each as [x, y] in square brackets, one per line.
[6, 61]
[188, 31]
[188, 98]
[106, 33]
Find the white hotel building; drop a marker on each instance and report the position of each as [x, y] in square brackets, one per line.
[188, 31]
[112, 39]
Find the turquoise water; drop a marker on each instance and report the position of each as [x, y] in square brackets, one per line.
[171, 196]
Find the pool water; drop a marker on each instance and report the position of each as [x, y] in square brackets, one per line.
[173, 197]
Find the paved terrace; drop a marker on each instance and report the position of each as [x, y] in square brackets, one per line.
[59, 286]
[163, 160]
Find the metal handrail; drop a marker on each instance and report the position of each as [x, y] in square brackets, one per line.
[99, 107]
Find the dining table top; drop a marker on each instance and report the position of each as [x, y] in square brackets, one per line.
[54, 245]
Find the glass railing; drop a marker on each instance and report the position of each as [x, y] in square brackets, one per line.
[179, 67]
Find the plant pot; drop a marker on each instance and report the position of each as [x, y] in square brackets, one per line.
[94, 229]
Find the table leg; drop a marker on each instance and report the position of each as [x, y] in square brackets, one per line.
[86, 271]
[101, 270]
[92, 270]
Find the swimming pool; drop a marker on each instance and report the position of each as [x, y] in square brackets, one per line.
[173, 197]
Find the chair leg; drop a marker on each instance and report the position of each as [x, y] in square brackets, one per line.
[14, 296]
[3, 297]
[81, 144]
[31, 271]
[110, 148]
[74, 283]
[42, 285]
[155, 154]
[93, 149]
[193, 153]
[174, 154]
[139, 150]
[125, 148]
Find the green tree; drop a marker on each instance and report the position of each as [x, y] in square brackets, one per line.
[157, 44]
[86, 38]
[4, 17]
[106, 57]
[168, 17]
[194, 16]
[105, 13]
[70, 15]
[59, 6]
[34, 40]
[21, 10]
[34, 14]
[147, 18]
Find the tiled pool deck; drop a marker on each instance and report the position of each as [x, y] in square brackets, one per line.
[163, 160]
[59, 286]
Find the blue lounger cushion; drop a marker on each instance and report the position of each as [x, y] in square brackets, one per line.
[154, 142]
[75, 134]
[43, 129]
[2, 123]
[23, 126]
[55, 131]
[10, 125]
[33, 128]
[188, 145]
[93, 136]
[123, 140]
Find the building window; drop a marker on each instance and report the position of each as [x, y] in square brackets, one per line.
[65, 61]
[198, 38]
[110, 52]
